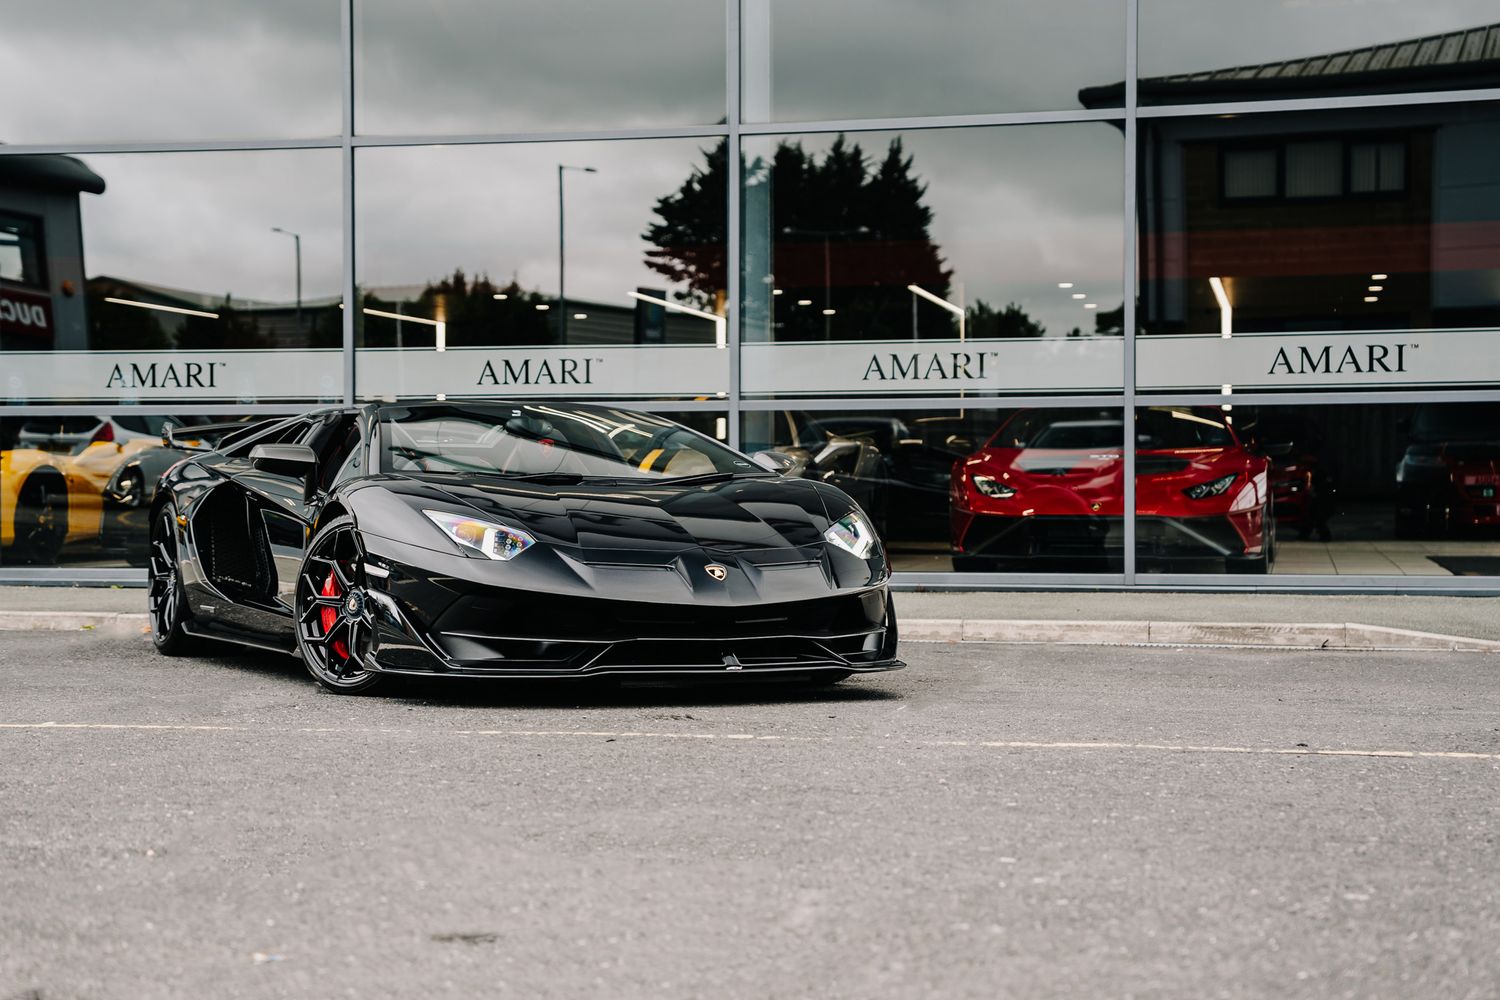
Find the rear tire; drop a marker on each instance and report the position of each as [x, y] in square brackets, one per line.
[166, 598]
[41, 520]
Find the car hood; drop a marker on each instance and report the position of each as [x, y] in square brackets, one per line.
[741, 516]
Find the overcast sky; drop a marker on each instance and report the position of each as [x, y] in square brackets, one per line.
[1016, 210]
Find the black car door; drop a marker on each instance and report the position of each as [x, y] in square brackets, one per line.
[282, 504]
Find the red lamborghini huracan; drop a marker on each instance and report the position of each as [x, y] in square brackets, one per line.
[1047, 492]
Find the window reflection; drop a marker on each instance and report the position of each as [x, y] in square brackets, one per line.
[77, 490]
[93, 70]
[177, 258]
[611, 255]
[929, 247]
[1388, 490]
[819, 61]
[1192, 51]
[467, 66]
[1319, 225]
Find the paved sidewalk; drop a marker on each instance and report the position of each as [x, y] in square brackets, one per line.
[1306, 620]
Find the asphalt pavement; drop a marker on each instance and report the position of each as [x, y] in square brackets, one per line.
[994, 821]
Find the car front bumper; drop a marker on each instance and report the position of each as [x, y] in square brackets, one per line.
[457, 623]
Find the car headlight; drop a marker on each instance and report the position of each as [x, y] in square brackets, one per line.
[1425, 460]
[990, 486]
[1200, 491]
[494, 541]
[852, 533]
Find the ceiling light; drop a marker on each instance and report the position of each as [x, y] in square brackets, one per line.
[160, 308]
[1379, 277]
[580, 315]
[804, 302]
[1079, 295]
[500, 296]
[542, 307]
[829, 312]
[1226, 310]
[1372, 298]
[1064, 284]
[777, 291]
[1091, 305]
[1376, 288]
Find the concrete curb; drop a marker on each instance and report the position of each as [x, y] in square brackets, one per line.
[104, 622]
[1325, 635]
[1316, 635]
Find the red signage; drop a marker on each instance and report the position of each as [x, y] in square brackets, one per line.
[25, 313]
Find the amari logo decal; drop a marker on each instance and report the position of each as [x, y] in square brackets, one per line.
[547, 371]
[166, 375]
[928, 366]
[1364, 359]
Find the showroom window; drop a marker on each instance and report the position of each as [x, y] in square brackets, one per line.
[964, 261]
[951, 257]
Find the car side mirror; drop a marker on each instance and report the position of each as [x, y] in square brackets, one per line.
[774, 461]
[289, 459]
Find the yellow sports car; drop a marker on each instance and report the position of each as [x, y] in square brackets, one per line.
[52, 481]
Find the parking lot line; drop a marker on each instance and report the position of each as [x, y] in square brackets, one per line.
[1066, 745]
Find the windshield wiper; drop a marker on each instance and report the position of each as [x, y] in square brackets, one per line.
[706, 477]
[549, 478]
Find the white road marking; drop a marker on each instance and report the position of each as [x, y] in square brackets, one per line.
[640, 734]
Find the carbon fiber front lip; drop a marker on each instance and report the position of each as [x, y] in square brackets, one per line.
[652, 671]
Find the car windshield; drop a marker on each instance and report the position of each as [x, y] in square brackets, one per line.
[545, 440]
[1165, 428]
[1079, 434]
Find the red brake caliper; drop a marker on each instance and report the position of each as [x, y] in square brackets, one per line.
[330, 616]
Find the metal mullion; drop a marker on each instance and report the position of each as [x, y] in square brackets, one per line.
[932, 122]
[346, 174]
[203, 146]
[151, 410]
[1321, 398]
[570, 135]
[908, 579]
[1362, 582]
[67, 576]
[733, 179]
[1320, 103]
[886, 403]
[1128, 267]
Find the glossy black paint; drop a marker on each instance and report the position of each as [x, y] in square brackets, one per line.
[617, 581]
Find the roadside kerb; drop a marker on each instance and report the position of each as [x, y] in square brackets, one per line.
[1315, 635]
[1306, 635]
[105, 622]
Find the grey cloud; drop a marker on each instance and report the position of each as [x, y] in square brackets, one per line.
[202, 221]
[168, 69]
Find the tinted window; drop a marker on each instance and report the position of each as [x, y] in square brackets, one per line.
[545, 440]
[1163, 428]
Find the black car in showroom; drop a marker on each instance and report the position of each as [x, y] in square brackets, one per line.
[514, 540]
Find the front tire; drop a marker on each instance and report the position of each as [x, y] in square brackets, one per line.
[335, 623]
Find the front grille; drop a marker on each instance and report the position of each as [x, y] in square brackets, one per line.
[520, 613]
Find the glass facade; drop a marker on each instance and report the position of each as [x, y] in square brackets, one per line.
[949, 258]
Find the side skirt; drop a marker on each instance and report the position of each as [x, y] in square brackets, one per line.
[239, 638]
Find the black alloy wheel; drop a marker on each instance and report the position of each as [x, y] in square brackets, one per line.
[41, 521]
[335, 621]
[166, 599]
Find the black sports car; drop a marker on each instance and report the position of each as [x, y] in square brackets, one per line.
[514, 540]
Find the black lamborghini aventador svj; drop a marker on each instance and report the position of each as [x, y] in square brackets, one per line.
[515, 540]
